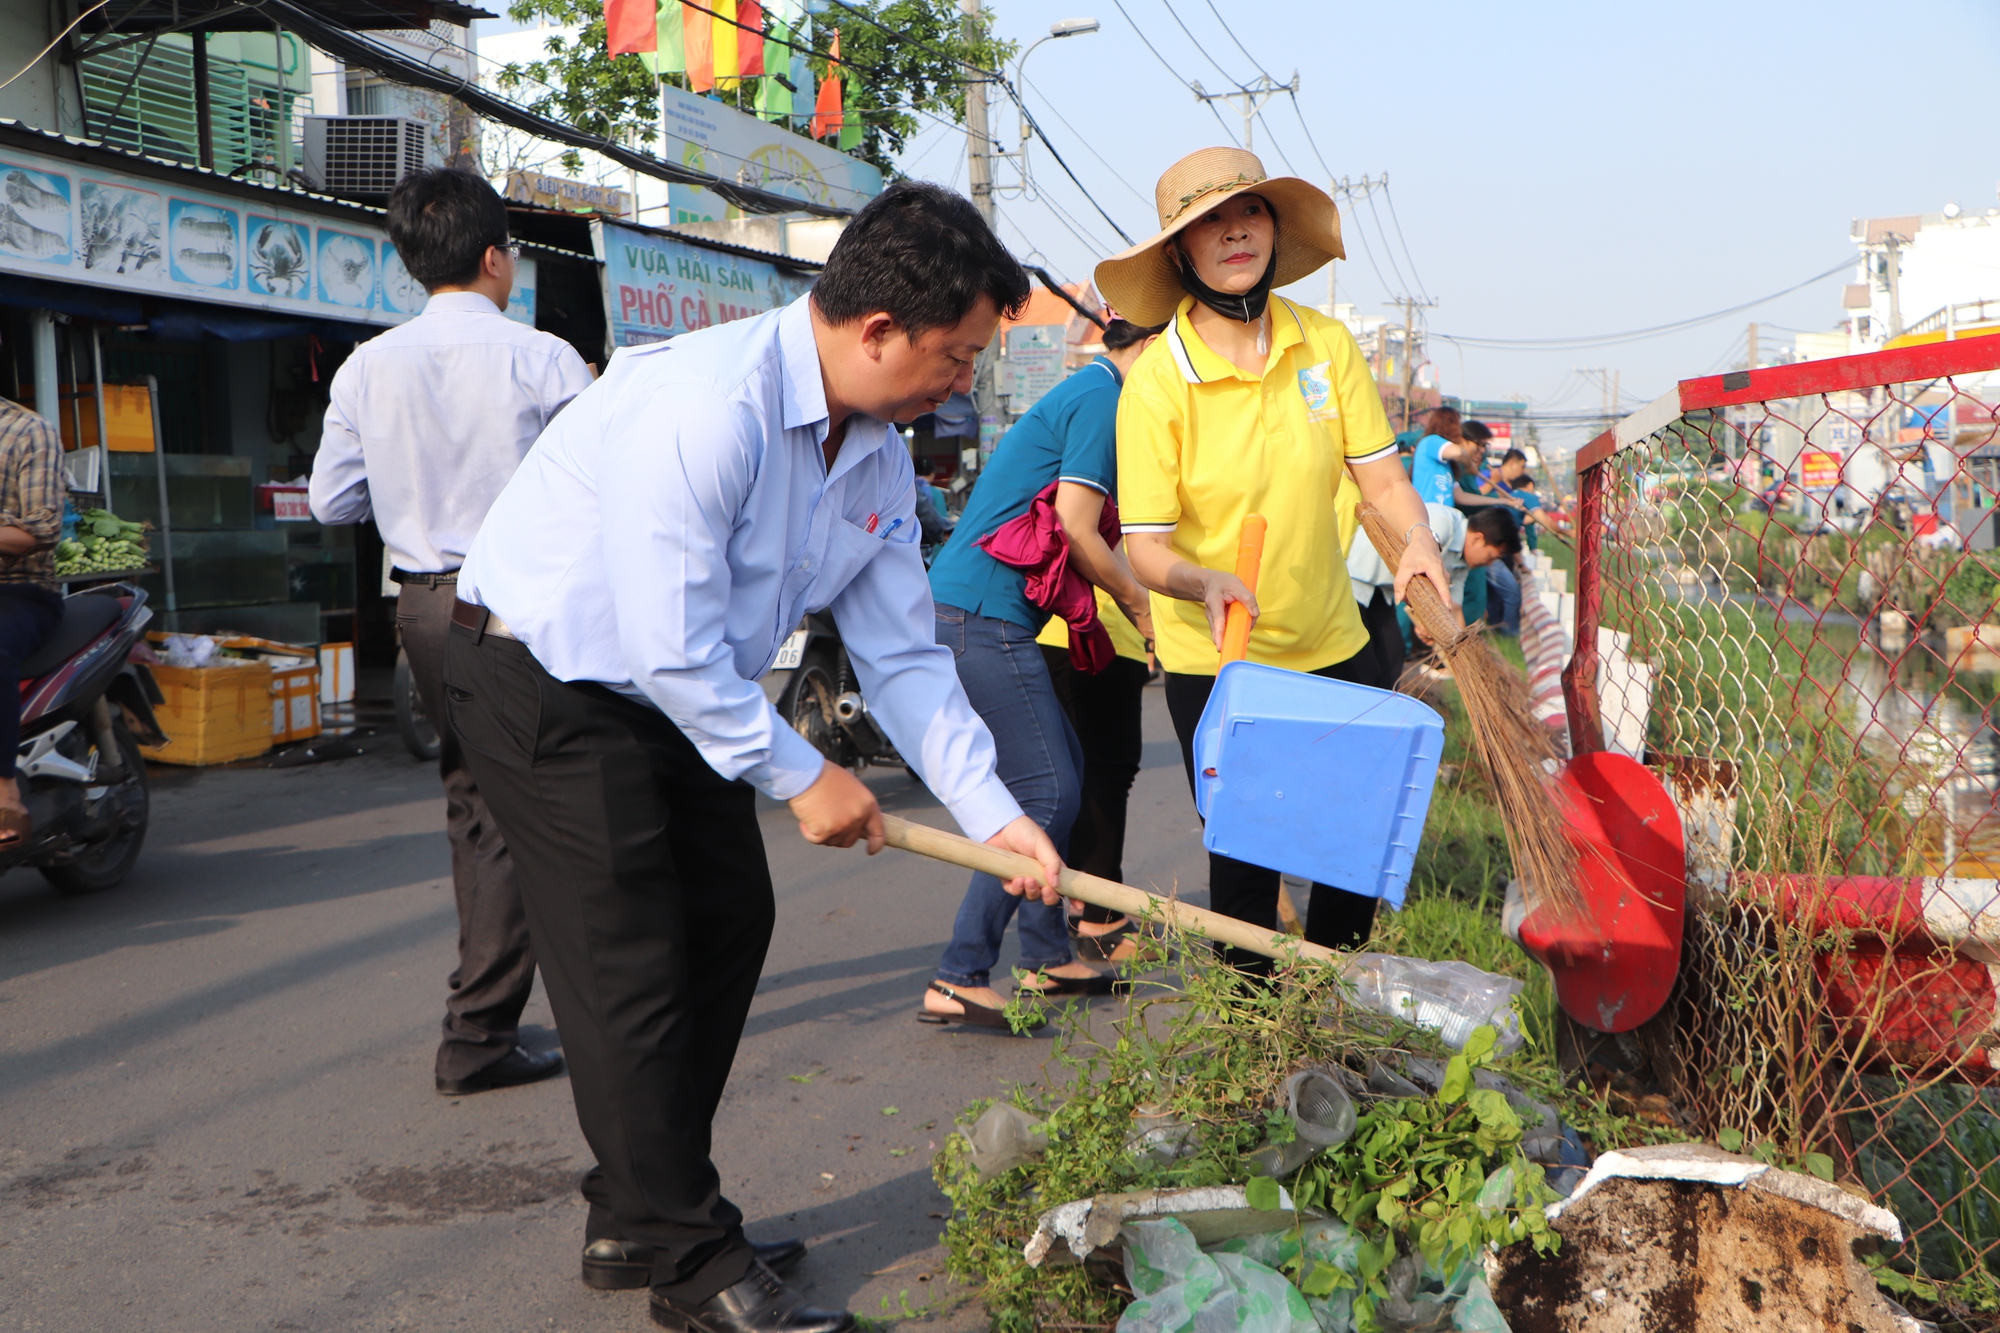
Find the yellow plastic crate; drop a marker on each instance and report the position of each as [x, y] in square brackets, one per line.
[213, 714]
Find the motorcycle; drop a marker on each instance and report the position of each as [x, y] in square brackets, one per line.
[822, 699]
[87, 699]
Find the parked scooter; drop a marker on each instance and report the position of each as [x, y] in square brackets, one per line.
[822, 700]
[86, 705]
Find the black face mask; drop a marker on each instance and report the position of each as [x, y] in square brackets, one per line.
[1243, 307]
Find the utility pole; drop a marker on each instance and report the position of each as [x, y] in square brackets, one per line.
[979, 172]
[1892, 274]
[1751, 338]
[1410, 305]
[1253, 96]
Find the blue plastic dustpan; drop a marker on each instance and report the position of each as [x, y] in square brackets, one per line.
[1315, 777]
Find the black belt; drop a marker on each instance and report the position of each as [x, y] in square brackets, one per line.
[446, 579]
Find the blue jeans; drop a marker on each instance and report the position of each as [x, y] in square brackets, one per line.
[1001, 667]
[1503, 609]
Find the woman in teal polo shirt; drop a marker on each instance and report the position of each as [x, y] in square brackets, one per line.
[985, 618]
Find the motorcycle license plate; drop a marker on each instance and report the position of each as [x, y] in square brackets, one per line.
[793, 652]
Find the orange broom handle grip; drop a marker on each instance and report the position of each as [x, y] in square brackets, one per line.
[1249, 559]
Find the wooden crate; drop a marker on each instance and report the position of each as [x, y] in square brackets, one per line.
[294, 703]
[213, 714]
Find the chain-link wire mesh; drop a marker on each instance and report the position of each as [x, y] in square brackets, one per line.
[1796, 625]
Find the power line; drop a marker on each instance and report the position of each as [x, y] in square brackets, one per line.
[1388, 249]
[1254, 63]
[1057, 111]
[1173, 73]
[1300, 113]
[1029, 116]
[1634, 335]
[1386, 194]
[1175, 14]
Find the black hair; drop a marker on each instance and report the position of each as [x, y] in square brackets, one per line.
[1514, 456]
[923, 254]
[1123, 333]
[1527, 479]
[442, 220]
[1499, 529]
[1477, 431]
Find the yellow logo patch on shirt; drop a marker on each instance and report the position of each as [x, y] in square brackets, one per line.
[1316, 387]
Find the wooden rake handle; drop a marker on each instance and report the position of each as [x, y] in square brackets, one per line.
[1249, 560]
[950, 847]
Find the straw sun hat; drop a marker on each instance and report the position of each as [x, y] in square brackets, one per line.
[1144, 286]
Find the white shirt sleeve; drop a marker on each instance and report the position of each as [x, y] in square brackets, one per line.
[669, 495]
[568, 376]
[889, 628]
[338, 487]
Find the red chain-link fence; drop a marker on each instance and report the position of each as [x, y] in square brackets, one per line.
[1786, 604]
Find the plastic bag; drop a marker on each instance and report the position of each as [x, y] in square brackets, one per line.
[1452, 999]
[189, 650]
[1004, 1137]
[1329, 1241]
[1182, 1290]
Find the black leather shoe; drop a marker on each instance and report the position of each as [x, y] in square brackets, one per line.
[626, 1265]
[760, 1303]
[511, 1070]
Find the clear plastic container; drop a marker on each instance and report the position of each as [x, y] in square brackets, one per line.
[1452, 999]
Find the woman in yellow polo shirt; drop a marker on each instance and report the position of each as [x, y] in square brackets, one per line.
[1251, 404]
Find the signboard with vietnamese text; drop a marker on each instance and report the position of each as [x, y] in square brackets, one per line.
[157, 237]
[545, 191]
[1819, 470]
[711, 136]
[1034, 364]
[657, 286]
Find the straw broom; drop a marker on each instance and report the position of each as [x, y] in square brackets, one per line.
[1511, 746]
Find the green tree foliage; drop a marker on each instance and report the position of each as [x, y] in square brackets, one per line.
[909, 66]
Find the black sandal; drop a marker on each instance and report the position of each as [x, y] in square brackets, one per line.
[975, 1015]
[1100, 948]
[1065, 988]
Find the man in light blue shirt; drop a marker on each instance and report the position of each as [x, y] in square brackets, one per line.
[630, 584]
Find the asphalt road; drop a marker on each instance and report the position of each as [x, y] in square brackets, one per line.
[216, 1109]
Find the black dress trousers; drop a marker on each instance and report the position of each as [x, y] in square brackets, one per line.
[649, 906]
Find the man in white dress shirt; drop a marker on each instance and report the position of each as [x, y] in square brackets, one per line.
[632, 582]
[425, 424]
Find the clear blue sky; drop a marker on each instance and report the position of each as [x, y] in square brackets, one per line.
[1557, 168]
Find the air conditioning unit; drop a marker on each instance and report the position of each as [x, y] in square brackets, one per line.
[362, 156]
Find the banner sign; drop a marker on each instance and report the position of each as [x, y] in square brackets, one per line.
[533, 187]
[105, 228]
[656, 286]
[710, 136]
[1034, 364]
[1819, 470]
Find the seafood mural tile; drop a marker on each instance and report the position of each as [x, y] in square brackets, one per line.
[401, 293]
[279, 258]
[34, 214]
[122, 229]
[346, 270]
[203, 244]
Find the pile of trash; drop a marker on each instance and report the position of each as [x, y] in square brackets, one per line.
[1212, 1259]
[1334, 1151]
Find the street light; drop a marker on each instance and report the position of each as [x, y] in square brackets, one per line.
[1060, 28]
